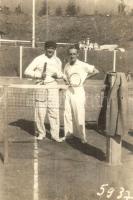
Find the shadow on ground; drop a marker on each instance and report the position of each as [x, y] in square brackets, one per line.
[86, 148]
[29, 127]
[25, 125]
[131, 133]
[92, 125]
[2, 157]
[127, 145]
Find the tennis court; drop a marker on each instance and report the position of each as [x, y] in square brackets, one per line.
[47, 170]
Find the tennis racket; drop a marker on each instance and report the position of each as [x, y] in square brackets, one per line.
[74, 80]
[44, 68]
[40, 81]
[47, 79]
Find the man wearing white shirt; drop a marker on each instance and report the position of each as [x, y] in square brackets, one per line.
[74, 114]
[46, 68]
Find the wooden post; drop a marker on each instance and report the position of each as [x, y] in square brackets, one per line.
[47, 20]
[5, 126]
[114, 150]
[113, 144]
[0, 40]
[33, 23]
[114, 61]
[85, 54]
[21, 62]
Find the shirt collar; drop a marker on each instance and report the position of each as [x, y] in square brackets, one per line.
[76, 63]
[49, 58]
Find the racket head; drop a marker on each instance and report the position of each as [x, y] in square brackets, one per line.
[75, 80]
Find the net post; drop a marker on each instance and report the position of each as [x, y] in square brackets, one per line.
[6, 152]
[114, 61]
[21, 61]
[113, 150]
[113, 144]
[85, 54]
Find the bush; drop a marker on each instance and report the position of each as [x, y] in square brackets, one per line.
[58, 11]
[18, 10]
[71, 9]
[43, 9]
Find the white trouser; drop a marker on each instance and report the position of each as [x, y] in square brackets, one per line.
[47, 99]
[74, 114]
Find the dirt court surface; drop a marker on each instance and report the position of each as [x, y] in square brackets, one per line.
[68, 170]
[47, 170]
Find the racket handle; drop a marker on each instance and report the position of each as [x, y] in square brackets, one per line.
[44, 67]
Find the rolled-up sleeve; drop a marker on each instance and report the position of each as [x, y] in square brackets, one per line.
[31, 70]
[89, 68]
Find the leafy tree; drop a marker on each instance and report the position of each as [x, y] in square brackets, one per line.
[121, 8]
[43, 9]
[18, 10]
[58, 11]
[6, 10]
[131, 12]
[71, 9]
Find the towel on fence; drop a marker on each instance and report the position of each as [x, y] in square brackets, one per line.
[113, 117]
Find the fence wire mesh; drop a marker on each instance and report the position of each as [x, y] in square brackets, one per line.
[18, 103]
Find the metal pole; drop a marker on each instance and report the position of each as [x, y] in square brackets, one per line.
[33, 23]
[47, 20]
[114, 61]
[6, 148]
[21, 5]
[21, 62]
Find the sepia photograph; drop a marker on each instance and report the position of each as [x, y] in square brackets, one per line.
[66, 100]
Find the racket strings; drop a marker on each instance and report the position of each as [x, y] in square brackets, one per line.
[74, 79]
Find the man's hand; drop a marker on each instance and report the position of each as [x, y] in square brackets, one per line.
[43, 75]
[95, 71]
[54, 76]
[64, 77]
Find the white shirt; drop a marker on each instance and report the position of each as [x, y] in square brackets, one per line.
[79, 67]
[53, 65]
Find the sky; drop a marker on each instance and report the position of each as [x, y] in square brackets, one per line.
[87, 6]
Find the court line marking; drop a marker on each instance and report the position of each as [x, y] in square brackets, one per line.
[36, 176]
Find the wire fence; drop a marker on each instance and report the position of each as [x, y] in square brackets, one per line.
[18, 103]
[14, 60]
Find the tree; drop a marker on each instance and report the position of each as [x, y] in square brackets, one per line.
[58, 11]
[71, 9]
[18, 10]
[6, 10]
[131, 12]
[43, 9]
[121, 8]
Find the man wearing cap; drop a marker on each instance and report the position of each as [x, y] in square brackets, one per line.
[46, 68]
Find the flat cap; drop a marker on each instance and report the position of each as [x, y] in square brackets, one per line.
[51, 44]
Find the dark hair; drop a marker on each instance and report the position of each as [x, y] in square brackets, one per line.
[74, 46]
[51, 44]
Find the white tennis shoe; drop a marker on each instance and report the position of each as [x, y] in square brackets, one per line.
[84, 141]
[40, 137]
[59, 139]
